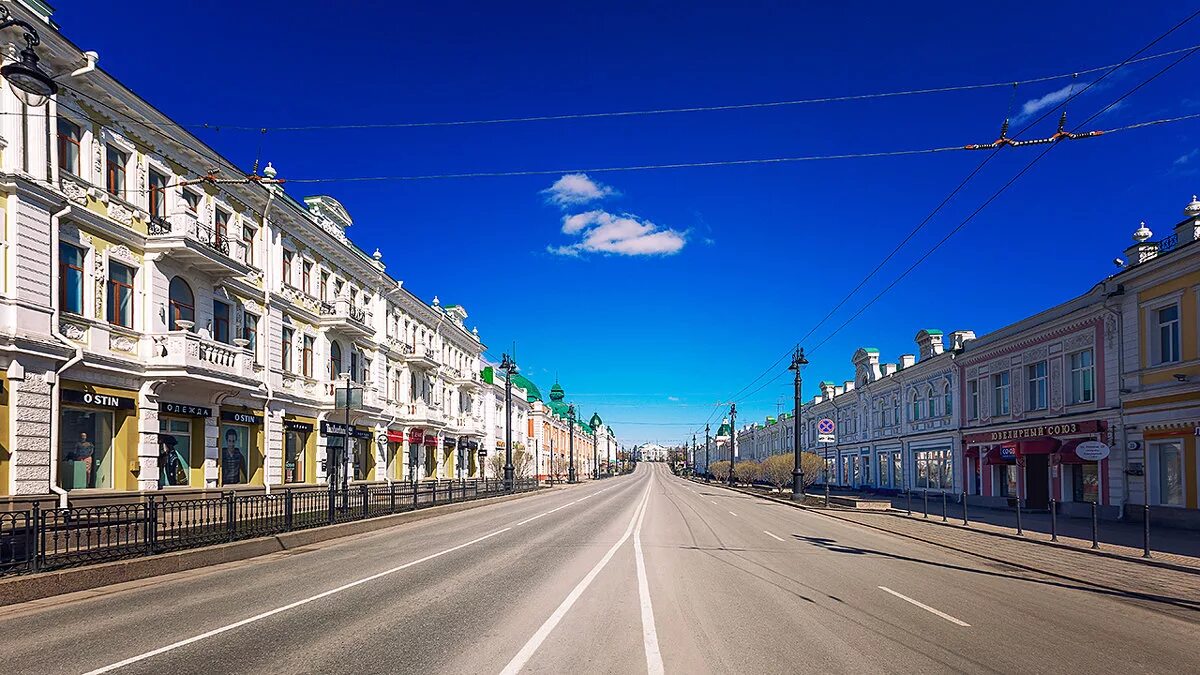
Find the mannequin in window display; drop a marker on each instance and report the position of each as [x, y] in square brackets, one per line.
[85, 452]
[171, 469]
[233, 462]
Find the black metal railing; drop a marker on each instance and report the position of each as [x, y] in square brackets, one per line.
[1168, 244]
[214, 239]
[48, 539]
[158, 225]
[358, 314]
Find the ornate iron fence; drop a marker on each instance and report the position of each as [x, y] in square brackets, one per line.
[39, 539]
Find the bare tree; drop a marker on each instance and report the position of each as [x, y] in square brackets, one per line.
[719, 470]
[522, 464]
[747, 471]
[777, 470]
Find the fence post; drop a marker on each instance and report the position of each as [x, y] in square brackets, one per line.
[925, 498]
[36, 543]
[1019, 530]
[231, 514]
[414, 485]
[908, 494]
[288, 510]
[1145, 530]
[391, 497]
[332, 503]
[826, 495]
[1095, 527]
[1053, 520]
[965, 520]
[362, 490]
[943, 506]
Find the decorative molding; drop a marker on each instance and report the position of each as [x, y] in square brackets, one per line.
[121, 252]
[75, 191]
[122, 343]
[73, 331]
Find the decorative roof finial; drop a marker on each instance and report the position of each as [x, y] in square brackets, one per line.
[377, 255]
[269, 171]
[1142, 233]
[437, 302]
[1193, 208]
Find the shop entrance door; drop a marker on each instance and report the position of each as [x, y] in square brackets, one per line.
[1037, 481]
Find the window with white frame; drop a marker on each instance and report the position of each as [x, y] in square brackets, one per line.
[1000, 393]
[1166, 323]
[115, 178]
[1167, 479]
[1036, 377]
[1083, 377]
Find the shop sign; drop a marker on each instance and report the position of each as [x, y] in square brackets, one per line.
[241, 417]
[1092, 451]
[430, 439]
[1008, 452]
[335, 429]
[1037, 431]
[449, 442]
[292, 425]
[184, 409]
[416, 436]
[99, 400]
[395, 436]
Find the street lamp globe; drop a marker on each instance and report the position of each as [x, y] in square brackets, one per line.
[31, 86]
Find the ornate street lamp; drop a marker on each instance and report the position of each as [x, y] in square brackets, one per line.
[509, 367]
[732, 441]
[798, 362]
[707, 473]
[571, 442]
[28, 82]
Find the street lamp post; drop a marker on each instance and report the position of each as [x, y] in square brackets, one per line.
[798, 362]
[608, 452]
[32, 86]
[693, 454]
[595, 457]
[510, 368]
[707, 474]
[571, 443]
[732, 440]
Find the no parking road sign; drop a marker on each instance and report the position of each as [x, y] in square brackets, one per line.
[825, 429]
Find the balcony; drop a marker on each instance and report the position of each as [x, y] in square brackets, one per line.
[343, 316]
[422, 357]
[183, 353]
[422, 414]
[182, 237]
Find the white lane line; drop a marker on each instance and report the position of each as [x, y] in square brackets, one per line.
[773, 536]
[733, 514]
[293, 605]
[258, 617]
[531, 646]
[654, 662]
[712, 501]
[925, 607]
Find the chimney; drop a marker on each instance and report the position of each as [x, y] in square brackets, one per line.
[959, 339]
[889, 369]
[848, 385]
[1189, 229]
[929, 343]
[1142, 250]
[907, 361]
[827, 390]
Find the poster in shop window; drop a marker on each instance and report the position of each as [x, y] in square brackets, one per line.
[234, 448]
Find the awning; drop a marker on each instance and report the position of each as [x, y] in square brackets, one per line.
[1066, 454]
[1040, 446]
[971, 452]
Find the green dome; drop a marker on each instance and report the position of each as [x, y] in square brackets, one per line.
[557, 405]
[724, 430]
[531, 390]
[557, 393]
[596, 422]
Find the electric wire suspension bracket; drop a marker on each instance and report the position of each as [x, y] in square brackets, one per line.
[1060, 135]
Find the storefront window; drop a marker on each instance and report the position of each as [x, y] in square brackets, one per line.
[897, 470]
[866, 469]
[1008, 480]
[294, 444]
[1084, 483]
[86, 460]
[174, 452]
[362, 458]
[934, 469]
[1169, 476]
[235, 444]
[883, 470]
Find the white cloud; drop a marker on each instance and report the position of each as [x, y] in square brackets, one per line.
[1034, 106]
[1186, 159]
[623, 234]
[576, 188]
[673, 399]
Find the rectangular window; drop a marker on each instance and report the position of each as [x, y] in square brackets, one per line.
[324, 286]
[220, 321]
[1036, 374]
[884, 479]
[1083, 374]
[285, 349]
[69, 135]
[354, 375]
[308, 356]
[120, 295]
[235, 450]
[1000, 394]
[158, 195]
[306, 277]
[293, 460]
[250, 333]
[70, 278]
[1167, 320]
[897, 470]
[248, 236]
[115, 182]
[287, 267]
[1169, 473]
[192, 200]
[84, 457]
[221, 227]
[973, 400]
[174, 452]
[1085, 484]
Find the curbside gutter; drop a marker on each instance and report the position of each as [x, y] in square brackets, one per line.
[29, 587]
[832, 513]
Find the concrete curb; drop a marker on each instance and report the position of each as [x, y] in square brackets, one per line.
[31, 587]
[1052, 544]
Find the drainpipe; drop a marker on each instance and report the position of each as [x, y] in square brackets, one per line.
[90, 59]
[267, 268]
[55, 426]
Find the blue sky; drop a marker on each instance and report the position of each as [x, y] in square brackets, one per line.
[757, 254]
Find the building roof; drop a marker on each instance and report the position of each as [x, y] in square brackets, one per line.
[531, 390]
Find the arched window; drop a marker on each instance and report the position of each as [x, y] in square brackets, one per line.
[335, 360]
[947, 406]
[183, 303]
[895, 410]
[915, 399]
[930, 402]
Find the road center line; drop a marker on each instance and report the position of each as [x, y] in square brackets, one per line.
[733, 514]
[925, 607]
[773, 536]
[654, 662]
[531, 646]
[258, 617]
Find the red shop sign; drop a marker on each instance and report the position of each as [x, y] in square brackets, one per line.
[395, 436]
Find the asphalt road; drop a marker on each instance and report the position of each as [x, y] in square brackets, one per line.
[643, 573]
